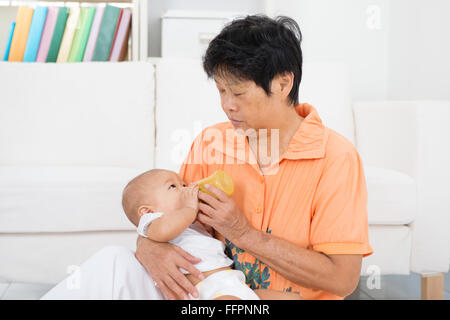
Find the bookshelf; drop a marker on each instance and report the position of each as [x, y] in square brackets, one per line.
[137, 42]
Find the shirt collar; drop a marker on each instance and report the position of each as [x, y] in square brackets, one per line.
[310, 139]
[308, 142]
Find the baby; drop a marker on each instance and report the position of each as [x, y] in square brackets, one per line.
[164, 209]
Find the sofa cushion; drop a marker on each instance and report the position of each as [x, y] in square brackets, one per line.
[77, 114]
[181, 117]
[391, 251]
[391, 196]
[63, 199]
[334, 107]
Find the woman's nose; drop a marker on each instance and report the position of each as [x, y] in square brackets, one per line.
[228, 104]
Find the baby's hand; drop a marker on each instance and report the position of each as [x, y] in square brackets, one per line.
[190, 197]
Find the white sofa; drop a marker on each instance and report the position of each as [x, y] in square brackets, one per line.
[72, 135]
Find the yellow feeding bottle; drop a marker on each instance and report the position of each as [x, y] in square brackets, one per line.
[219, 179]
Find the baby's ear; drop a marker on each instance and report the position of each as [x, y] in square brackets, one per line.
[144, 210]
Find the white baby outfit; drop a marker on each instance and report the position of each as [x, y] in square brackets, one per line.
[199, 243]
[114, 273]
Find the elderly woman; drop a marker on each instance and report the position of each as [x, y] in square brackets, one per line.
[296, 224]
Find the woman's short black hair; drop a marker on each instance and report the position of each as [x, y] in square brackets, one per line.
[257, 48]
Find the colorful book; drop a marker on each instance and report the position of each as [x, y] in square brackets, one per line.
[82, 34]
[89, 52]
[8, 42]
[120, 45]
[69, 33]
[58, 33]
[47, 34]
[34, 36]
[20, 36]
[106, 33]
[115, 32]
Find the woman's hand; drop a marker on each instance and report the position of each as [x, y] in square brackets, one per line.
[222, 214]
[162, 261]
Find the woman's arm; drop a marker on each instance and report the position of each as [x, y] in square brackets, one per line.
[338, 274]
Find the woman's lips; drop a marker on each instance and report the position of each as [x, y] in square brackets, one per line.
[235, 122]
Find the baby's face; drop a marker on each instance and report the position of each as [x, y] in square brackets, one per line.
[167, 186]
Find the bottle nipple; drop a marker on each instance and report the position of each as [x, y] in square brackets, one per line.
[219, 179]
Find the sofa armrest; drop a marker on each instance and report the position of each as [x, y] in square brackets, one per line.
[414, 137]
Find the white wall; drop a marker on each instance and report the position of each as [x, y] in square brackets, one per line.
[419, 54]
[405, 56]
[354, 32]
[157, 8]
[394, 49]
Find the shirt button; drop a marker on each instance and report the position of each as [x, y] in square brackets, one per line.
[258, 209]
[261, 178]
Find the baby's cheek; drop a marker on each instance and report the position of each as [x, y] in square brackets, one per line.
[179, 202]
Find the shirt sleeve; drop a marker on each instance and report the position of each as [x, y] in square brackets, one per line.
[339, 224]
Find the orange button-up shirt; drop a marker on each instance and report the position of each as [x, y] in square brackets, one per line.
[315, 196]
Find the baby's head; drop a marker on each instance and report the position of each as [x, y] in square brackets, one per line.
[155, 190]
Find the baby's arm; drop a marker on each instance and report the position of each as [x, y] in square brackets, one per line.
[171, 224]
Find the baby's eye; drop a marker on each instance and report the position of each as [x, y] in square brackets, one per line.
[172, 185]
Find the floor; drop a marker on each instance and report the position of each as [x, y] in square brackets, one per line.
[390, 288]
[394, 288]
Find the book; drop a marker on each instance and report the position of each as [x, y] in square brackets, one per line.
[20, 36]
[77, 35]
[106, 33]
[85, 32]
[82, 34]
[115, 32]
[88, 53]
[125, 51]
[69, 32]
[8, 42]
[47, 34]
[120, 45]
[34, 36]
[58, 33]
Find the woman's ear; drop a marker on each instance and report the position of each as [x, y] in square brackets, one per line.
[283, 83]
[287, 81]
[144, 209]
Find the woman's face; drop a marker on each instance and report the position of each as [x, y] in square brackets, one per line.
[246, 104]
